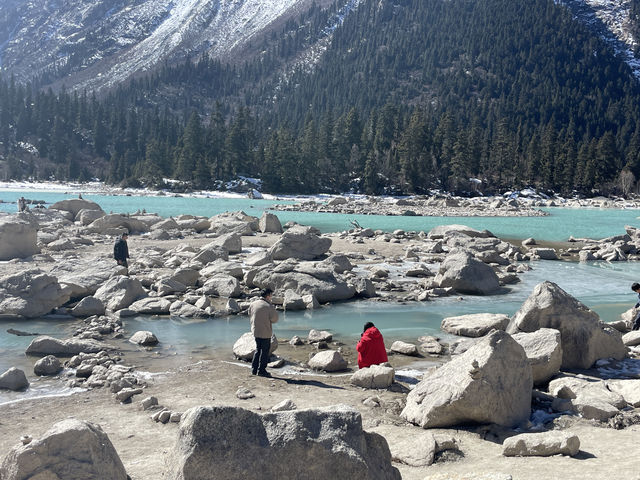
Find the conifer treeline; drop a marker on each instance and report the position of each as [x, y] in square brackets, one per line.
[411, 95]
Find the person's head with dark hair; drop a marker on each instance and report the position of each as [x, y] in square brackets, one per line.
[124, 235]
[635, 287]
[367, 326]
[267, 292]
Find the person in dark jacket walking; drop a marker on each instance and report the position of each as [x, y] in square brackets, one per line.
[121, 250]
[371, 349]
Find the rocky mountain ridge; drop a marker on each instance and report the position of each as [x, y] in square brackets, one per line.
[97, 44]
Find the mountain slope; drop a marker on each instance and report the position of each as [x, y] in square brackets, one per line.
[92, 44]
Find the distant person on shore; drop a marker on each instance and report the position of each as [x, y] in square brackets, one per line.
[371, 349]
[636, 321]
[121, 250]
[262, 315]
[22, 205]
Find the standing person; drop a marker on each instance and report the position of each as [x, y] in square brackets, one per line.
[636, 321]
[262, 315]
[121, 250]
[371, 349]
[22, 204]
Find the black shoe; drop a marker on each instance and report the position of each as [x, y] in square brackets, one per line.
[254, 372]
[264, 374]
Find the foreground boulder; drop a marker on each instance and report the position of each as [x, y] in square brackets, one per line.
[45, 345]
[489, 383]
[584, 338]
[475, 325]
[30, 294]
[83, 277]
[462, 272]
[300, 242]
[13, 379]
[298, 444]
[71, 450]
[18, 238]
[541, 444]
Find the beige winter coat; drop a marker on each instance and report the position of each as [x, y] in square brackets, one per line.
[262, 314]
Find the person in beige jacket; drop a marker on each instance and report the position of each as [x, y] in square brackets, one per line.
[262, 315]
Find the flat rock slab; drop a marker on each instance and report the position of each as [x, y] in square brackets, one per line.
[475, 325]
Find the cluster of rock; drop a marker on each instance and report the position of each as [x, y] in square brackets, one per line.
[434, 206]
[277, 444]
[611, 249]
[507, 361]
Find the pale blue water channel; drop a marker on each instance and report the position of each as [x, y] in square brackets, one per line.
[601, 286]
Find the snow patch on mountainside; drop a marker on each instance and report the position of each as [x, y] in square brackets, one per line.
[611, 20]
[193, 26]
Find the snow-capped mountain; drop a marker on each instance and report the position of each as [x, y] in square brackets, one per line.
[99, 43]
[93, 44]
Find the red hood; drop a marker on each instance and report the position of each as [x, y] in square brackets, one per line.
[371, 333]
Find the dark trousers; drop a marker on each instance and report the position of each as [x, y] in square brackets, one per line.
[636, 323]
[261, 357]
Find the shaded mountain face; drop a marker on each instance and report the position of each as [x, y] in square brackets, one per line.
[93, 44]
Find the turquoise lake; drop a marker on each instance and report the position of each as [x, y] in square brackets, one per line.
[558, 226]
[603, 287]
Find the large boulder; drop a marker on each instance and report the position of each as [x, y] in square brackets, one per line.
[304, 281]
[462, 272]
[222, 285]
[584, 338]
[119, 292]
[328, 361]
[544, 352]
[75, 205]
[245, 346]
[543, 444]
[30, 294]
[489, 383]
[83, 277]
[300, 242]
[18, 238]
[269, 223]
[296, 444]
[115, 221]
[231, 242]
[475, 325]
[71, 450]
[45, 345]
[13, 379]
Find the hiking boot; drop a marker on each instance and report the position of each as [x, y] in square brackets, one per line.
[264, 374]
